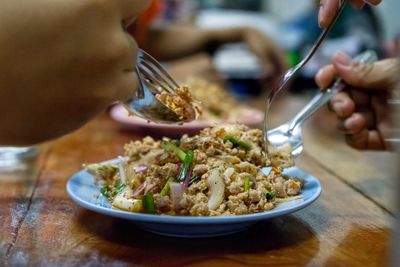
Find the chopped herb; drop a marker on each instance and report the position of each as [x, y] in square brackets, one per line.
[165, 189]
[237, 142]
[119, 187]
[247, 184]
[171, 147]
[148, 203]
[270, 195]
[105, 191]
[194, 179]
[185, 166]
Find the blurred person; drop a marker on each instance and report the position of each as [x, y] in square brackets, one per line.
[76, 58]
[63, 63]
[363, 109]
[158, 33]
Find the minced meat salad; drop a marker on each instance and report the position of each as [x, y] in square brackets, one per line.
[217, 172]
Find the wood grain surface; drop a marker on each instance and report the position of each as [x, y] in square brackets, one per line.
[349, 225]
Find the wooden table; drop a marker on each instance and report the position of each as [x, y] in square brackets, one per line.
[349, 225]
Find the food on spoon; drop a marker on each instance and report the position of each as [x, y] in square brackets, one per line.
[181, 103]
[209, 174]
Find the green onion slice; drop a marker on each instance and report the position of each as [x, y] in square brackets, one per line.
[169, 146]
[148, 203]
[185, 166]
[246, 184]
[237, 142]
[165, 190]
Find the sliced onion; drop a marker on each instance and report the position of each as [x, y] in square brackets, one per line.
[123, 203]
[178, 166]
[150, 188]
[140, 190]
[186, 180]
[121, 167]
[176, 190]
[229, 172]
[140, 168]
[216, 187]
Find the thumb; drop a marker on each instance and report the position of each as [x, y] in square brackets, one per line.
[378, 75]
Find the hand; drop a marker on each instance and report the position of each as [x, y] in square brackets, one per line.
[362, 108]
[328, 9]
[62, 63]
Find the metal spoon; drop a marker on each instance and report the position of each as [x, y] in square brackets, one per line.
[153, 80]
[294, 70]
[290, 132]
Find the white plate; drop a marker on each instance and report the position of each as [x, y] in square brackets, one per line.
[82, 189]
[249, 116]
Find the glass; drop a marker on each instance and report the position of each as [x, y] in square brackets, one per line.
[14, 158]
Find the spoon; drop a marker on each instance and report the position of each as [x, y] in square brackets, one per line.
[296, 69]
[290, 132]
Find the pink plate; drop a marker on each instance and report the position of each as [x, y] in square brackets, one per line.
[250, 117]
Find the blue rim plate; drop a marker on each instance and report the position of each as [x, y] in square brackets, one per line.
[82, 188]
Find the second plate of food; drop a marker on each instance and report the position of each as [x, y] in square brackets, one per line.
[217, 106]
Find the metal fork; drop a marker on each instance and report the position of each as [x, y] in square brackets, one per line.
[294, 70]
[153, 80]
[291, 131]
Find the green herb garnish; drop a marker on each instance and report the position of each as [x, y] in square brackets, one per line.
[185, 166]
[148, 203]
[171, 147]
[105, 191]
[270, 195]
[246, 184]
[237, 142]
[194, 179]
[119, 187]
[165, 189]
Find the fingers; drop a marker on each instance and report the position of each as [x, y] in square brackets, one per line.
[129, 57]
[378, 75]
[358, 3]
[373, 2]
[328, 9]
[357, 122]
[128, 82]
[365, 139]
[325, 76]
[130, 9]
[342, 105]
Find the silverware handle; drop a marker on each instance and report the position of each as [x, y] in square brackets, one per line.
[322, 97]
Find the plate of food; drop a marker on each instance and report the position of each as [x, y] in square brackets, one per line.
[216, 105]
[215, 183]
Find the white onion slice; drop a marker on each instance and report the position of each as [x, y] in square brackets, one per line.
[176, 191]
[121, 167]
[217, 187]
[123, 203]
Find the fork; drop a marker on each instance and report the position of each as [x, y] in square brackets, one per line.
[153, 80]
[294, 70]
